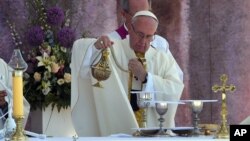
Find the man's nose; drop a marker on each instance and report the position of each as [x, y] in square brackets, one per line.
[143, 40]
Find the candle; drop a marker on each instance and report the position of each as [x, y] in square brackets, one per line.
[17, 80]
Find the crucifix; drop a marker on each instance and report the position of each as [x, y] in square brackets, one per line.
[223, 131]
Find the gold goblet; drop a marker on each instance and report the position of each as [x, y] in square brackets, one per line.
[143, 102]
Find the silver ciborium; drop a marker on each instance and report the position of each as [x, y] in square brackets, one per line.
[197, 106]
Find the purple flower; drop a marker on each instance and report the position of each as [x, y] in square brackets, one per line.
[66, 37]
[35, 36]
[55, 16]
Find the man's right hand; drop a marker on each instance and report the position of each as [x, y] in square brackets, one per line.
[136, 67]
[103, 42]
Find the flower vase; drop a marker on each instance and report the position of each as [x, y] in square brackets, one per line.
[52, 123]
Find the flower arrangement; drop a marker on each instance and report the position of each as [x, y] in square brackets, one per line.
[48, 79]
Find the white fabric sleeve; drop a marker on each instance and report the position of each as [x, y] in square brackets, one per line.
[160, 43]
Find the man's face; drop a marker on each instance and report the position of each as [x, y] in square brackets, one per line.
[142, 33]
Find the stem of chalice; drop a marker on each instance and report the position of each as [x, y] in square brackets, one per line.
[161, 109]
[196, 106]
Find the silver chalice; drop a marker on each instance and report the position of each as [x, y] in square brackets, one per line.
[197, 106]
[161, 108]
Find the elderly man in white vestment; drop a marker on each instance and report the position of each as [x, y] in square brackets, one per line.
[128, 9]
[105, 111]
[5, 78]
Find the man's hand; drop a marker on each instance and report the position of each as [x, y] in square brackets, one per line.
[103, 42]
[2, 99]
[136, 67]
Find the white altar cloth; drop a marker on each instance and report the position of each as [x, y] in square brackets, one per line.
[200, 138]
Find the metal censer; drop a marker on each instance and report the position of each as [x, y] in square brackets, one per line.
[101, 71]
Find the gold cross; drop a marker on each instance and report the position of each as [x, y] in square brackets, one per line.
[224, 86]
[223, 131]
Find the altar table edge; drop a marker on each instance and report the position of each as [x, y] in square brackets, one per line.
[128, 139]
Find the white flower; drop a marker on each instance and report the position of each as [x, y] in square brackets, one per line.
[63, 49]
[46, 91]
[37, 76]
[46, 87]
[60, 81]
[44, 61]
[67, 77]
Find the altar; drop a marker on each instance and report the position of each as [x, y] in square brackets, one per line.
[130, 138]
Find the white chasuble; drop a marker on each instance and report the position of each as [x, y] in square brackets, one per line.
[105, 111]
[98, 111]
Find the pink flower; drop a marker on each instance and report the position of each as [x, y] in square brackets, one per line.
[54, 67]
